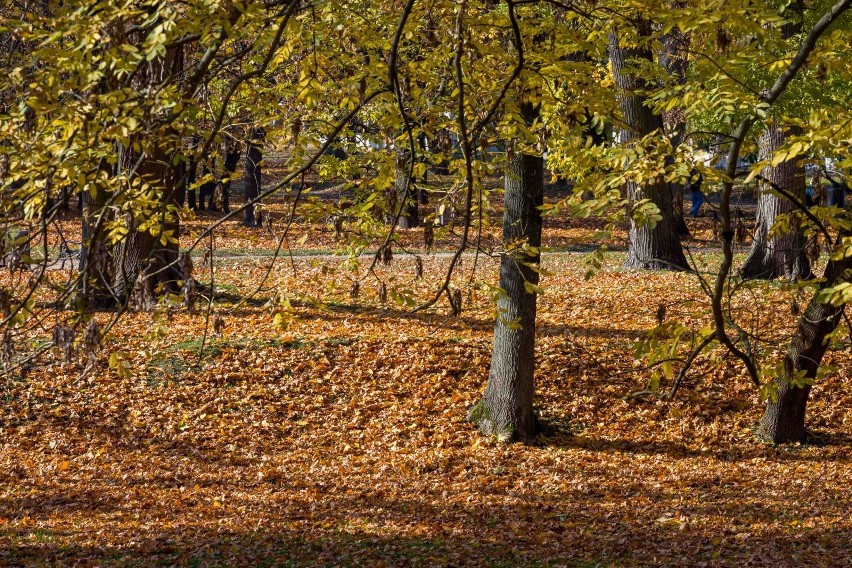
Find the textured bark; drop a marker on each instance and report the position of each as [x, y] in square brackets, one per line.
[231, 154]
[656, 248]
[782, 255]
[252, 176]
[673, 56]
[506, 408]
[409, 216]
[784, 418]
[95, 261]
[141, 252]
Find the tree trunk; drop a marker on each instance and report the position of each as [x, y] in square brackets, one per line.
[143, 253]
[784, 418]
[187, 170]
[656, 248]
[231, 159]
[409, 213]
[506, 408]
[95, 261]
[191, 173]
[673, 57]
[252, 176]
[782, 255]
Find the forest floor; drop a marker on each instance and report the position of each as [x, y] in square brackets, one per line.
[328, 430]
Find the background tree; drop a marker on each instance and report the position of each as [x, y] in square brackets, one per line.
[651, 245]
[782, 252]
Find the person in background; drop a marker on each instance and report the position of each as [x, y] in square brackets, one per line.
[810, 197]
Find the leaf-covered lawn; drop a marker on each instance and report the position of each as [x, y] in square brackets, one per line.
[341, 440]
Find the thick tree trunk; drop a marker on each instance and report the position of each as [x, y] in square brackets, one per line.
[784, 418]
[252, 176]
[782, 255]
[409, 213]
[656, 248]
[673, 57]
[506, 408]
[143, 253]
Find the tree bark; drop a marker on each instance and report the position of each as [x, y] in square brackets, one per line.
[673, 57]
[252, 176]
[409, 212]
[95, 261]
[506, 408]
[144, 253]
[784, 418]
[231, 155]
[782, 255]
[656, 248]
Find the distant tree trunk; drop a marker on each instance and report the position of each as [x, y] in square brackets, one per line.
[231, 154]
[207, 191]
[783, 255]
[784, 418]
[673, 57]
[506, 408]
[655, 248]
[186, 171]
[409, 212]
[191, 173]
[143, 253]
[95, 261]
[252, 175]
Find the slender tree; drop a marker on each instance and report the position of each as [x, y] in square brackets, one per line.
[406, 194]
[506, 408]
[230, 159]
[252, 175]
